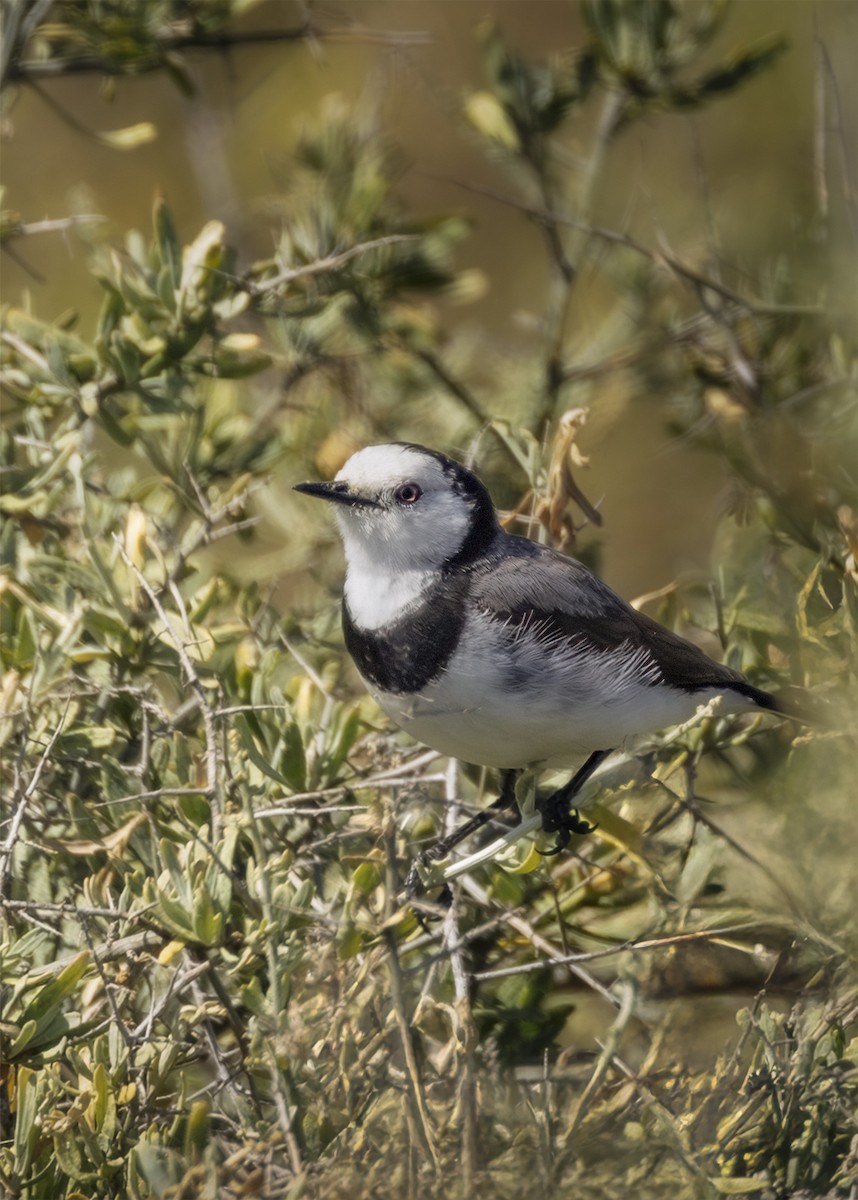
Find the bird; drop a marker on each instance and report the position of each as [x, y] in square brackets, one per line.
[495, 649]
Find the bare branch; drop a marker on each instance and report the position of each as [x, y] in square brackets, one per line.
[212, 788]
[8, 846]
[332, 262]
[170, 43]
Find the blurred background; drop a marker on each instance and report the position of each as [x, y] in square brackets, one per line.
[738, 175]
[604, 251]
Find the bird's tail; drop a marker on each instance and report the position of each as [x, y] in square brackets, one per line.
[793, 702]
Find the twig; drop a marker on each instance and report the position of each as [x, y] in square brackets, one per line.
[281, 1103]
[209, 723]
[454, 386]
[8, 845]
[69, 909]
[174, 988]
[166, 44]
[155, 794]
[466, 1033]
[568, 268]
[535, 938]
[107, 986]
[224, 1070]
[755, 306]
[673, 1126]
[212, 517]
[306, 667]
[331, 262]
[108, 951]
[418, 1109]
[847, 168]
[562, 960]
[615, 1033]
[286, 1094]
[55, 225]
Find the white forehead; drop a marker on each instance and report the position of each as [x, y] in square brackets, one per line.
[380, 466]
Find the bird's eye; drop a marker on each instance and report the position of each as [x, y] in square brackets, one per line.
[407, 493]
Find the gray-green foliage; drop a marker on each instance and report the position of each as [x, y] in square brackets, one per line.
[207, 984]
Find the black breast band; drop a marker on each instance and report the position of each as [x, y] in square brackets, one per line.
[407, 654]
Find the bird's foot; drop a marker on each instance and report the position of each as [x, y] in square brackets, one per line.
[559, 818]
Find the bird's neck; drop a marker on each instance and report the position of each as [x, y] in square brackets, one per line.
[375, 596]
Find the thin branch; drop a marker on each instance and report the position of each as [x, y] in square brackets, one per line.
[618, 1027]
[108, 951]
[567, 266]
[166, 44]
[155, 794]
[847, 168]
[49, 225]
[657, 257]
[454, 386]
[418, 1108]
[108, 988]
[174, 988]
[332, 262]
[527, 930]
[674, 1126]
[75, 910]
[212, 517]
[467, 1036]
[562, 960]
[8, 846]
[209, 723]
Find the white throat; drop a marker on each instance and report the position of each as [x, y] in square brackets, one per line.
[376, 597]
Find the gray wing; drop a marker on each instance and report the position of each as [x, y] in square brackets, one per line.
[556, 599]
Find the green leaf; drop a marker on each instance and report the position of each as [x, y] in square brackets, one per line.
[175, 916]
[366, 878]
[258, 759]
[130, 137]
[232, 366]
[344, 739]
[161, 1168]
[218, 871]
[202, 256]
[742, 65]
[48, 998]
[208, 925]
[349, 943]
[197, 1131]
[488, 117]
[252, 996]
[167, 241]
[293, 759]
[739, 1187]
[176, 869]
[102, 1110]
[26, 1129]
[70, 1159]
[25, 1035]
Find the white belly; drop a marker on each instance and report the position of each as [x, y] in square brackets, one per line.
[539, 708]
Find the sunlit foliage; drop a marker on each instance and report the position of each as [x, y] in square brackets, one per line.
[209, 981]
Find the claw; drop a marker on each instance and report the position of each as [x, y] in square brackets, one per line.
[557, 818]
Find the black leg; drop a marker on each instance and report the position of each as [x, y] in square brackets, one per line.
[506, 800]
[557, 814]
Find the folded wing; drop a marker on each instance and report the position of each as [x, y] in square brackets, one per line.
[537, 593]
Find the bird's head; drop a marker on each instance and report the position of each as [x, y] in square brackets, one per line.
[401, 507]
